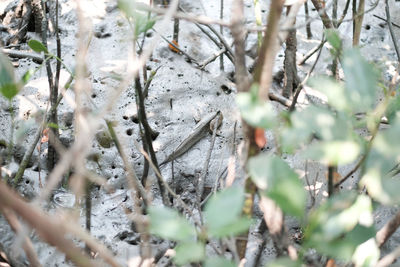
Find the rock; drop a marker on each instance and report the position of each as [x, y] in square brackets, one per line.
[67, 119]
[66, 141]
[104, 139]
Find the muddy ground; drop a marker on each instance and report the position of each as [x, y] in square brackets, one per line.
[179, 96]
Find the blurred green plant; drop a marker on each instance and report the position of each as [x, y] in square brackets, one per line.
[341, 227]
[222, 218]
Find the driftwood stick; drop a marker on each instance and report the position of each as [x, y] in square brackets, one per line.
[212, 58]
[202, 178]
[23, 54]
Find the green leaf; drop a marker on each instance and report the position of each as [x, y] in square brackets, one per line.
[37, 46]
[240, 225]
[222, 213]
[9, 90]
[392, 111]
[366, 254]
[334, 91]
[8, 86]
[143, 24]
[361, 80]
[140, 19]
[382, 164]
[169, 224]
[278, 181]
[27, 76]
[189, 252]
[53, 125]
[284, 262]
[6, 71]
[218, 262]
[339, 225]
[254, 112]
[24, 128]
[334, 152]
[334, 40]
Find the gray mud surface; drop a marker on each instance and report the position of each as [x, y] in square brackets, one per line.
[179, 96]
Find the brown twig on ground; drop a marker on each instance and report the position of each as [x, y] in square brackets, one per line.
[177, 48]
[22, 54]
[389, 258]
[228, 51]
[301, 85]
[387, 230]
[203, 175]
[207, 61]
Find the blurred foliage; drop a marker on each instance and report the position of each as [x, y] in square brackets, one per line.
[342, 226]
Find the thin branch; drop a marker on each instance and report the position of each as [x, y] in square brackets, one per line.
[301, 85]
[394, 24]
[185, 16]
[132, 178]
[389, 23]
[388, 230]
[201, 181]
[27, 245]
[389, 258]
[23, 54]
[46, 227]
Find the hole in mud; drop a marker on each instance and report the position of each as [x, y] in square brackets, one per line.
[113, 166]
[116, 176]
[125, 117]
[148, 67]
[149, 34]
[102, 152]
[226, 89]
[135, 119]
[94, 95]
[367, 27]
[27, 181]
[180, 74]
[129, 132]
